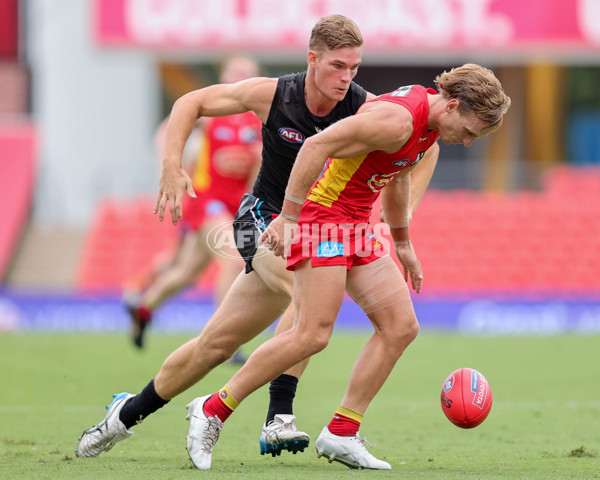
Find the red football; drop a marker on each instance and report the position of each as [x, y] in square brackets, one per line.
[466, 398]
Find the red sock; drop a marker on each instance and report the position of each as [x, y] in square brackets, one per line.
[144, 314]
[214, 407]
[343, 426]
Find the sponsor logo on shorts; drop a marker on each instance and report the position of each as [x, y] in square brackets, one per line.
[330, 249]
[291, 135]
[214, 208]
[372, 236]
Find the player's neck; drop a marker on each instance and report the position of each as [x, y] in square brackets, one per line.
[316, 101]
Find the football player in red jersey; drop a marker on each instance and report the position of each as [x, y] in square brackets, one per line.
[333, 185]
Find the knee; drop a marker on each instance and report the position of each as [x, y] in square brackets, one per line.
[319, 342]
[411, 330]
[404, 334]
[213, 351]
[314, 340]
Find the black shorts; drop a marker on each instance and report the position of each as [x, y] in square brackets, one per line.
[251, 220]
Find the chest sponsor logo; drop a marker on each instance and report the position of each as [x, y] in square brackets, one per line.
[291, 135]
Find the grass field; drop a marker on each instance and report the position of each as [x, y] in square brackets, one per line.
[544, 424]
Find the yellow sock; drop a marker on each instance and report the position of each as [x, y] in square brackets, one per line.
[346, 412]
[227, 398]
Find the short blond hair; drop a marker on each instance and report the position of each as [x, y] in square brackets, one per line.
[478, 90]
[333, 32]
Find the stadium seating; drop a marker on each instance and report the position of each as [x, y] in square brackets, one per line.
[469, 242]
[124, 240]
[524, 242]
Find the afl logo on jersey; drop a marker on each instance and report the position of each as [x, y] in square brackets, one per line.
[291, 135]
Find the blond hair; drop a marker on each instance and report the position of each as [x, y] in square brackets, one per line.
[478, 90]
[333, 32]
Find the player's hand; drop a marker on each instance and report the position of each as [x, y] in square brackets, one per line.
[410, 266]
[278, 236]
[174, 182]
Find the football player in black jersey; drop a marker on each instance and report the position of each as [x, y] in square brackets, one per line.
[292, 108]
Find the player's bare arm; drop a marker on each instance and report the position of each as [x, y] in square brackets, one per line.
[254, 94]
[395, 201]
[420, 176]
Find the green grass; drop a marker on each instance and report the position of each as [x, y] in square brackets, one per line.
[544, 424]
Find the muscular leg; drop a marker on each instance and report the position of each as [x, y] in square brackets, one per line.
[395, 325]
[248, 308]
[318, 295]
[272, 271]
[230, 264]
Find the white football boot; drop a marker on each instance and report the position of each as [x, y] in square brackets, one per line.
[350, 451]
[282, 434]
[103, 436]
[204, 433]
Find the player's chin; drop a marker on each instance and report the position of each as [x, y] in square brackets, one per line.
[339, 94]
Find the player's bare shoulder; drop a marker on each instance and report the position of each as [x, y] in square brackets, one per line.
[392, 123]
[257, 94]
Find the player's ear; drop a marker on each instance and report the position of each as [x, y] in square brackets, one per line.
[452, 105]
[312, 58]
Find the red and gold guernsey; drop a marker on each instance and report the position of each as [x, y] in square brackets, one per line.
[229, 153]
[349, 187]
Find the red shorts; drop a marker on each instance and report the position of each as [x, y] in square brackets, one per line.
[330, 239]
[196, 211]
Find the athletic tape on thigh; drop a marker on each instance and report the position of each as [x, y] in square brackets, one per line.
[377, 285]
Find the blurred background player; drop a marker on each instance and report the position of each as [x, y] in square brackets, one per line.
[226, 152]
